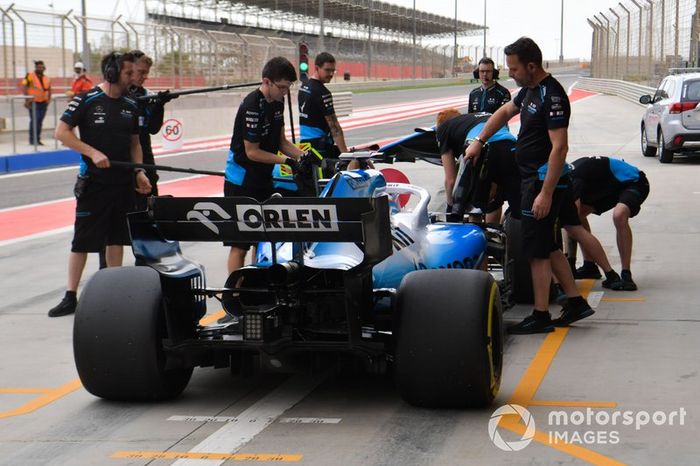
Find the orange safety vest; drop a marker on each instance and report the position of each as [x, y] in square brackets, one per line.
[38, 88]
[81, 84]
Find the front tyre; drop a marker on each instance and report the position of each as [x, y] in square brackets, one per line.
[449, 338]
[117, 337]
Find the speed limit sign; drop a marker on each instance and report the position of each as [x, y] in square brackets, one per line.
[172, 134]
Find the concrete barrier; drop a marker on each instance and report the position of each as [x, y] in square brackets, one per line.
[626, 90]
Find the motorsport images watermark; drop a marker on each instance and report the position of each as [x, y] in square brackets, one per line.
[580, 427]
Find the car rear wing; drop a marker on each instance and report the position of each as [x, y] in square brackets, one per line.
[296, 219]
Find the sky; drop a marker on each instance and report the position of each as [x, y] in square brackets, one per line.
[506, 19]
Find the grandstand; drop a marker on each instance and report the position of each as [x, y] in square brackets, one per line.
[370, 39]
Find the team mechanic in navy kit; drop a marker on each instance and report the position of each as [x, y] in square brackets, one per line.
[258, 134]
[602, 184]
[540, 152]
[318, 124]
[108, 123]
[490, 96]
[502, 179]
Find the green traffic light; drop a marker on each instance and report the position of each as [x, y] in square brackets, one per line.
[303, 67]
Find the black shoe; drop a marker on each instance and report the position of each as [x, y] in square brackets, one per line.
[65, 307]
[576, 309]
[532, 324]
[612, 279]
[587, 270]
[40, 143]
[625, 283]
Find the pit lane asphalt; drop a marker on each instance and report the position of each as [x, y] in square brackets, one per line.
[639, 351]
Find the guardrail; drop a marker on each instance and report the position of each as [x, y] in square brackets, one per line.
[360, 85]
[626, 90]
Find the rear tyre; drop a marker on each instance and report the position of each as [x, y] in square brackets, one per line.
[647, 150]
[665, 155]
[117, 337]
[449, 338]
[521, 275]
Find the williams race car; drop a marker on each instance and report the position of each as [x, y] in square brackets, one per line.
[349, 272]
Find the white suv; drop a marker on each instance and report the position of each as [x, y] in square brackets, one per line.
[671, 122]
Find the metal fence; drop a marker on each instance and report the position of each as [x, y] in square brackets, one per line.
[184, 56]
[639, 40]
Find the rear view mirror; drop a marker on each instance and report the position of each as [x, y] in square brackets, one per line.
[645, 99]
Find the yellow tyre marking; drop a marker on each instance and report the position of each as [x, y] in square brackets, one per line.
[530, 382]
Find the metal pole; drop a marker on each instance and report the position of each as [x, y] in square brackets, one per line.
[651, 34]
[484, 25]
[14, 132]
[675, 39]
[617, 42]
[24, 29]
[86, 45]
[639, 46]
[414, 39]
[594, 38]
[454, 54]
[369, 44]
[607, 45]
[55, 120]
[627, 48]
[663, 21]
[561, 35]
[321, 45]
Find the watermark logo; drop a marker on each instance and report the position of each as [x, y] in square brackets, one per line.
[527, 419]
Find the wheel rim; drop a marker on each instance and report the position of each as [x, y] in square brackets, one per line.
[662, 144]
[645, 143]
[494, 342]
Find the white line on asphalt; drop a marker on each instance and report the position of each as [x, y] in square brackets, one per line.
[43, 234]
[232, 436]
[310, 420]
[234, 419]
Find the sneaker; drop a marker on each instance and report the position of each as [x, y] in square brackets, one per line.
[532, 324]
[65, 307]
[612, 279]
[625, 283]
[588, 270]
[574, 310]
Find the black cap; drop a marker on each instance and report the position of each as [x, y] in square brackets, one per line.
[39, 62]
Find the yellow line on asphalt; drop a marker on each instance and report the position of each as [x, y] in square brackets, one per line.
[25, 390]
[49, 396]
[526, 389]
[174, 455]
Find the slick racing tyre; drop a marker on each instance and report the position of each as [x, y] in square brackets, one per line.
[449, 338]
[117, 338]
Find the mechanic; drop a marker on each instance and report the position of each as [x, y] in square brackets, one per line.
[540, 152]
[601, 184]
[502, 179]
[150, 117]
[258, 134]
[318, 124]
[37, 85]
[108, 123]
[490, 96]
[82, 82]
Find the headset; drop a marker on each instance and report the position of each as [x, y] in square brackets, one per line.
[486, 61]
[112, 68]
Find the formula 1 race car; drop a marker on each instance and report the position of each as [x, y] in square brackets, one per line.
[349, 272]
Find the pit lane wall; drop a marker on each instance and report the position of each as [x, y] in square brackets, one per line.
[624, 89]
[203, 116]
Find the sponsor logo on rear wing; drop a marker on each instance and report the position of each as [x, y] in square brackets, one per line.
[358, 220]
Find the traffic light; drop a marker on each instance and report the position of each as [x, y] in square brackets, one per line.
[303, 61]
